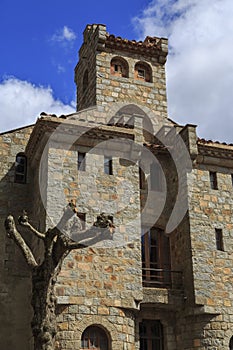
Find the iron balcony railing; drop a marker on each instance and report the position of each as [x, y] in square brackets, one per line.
[162, 278]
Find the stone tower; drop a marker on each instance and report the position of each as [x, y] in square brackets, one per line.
[112, 69]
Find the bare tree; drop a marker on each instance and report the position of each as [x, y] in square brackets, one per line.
[57, 246]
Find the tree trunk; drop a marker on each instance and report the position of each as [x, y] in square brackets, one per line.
[44, 304]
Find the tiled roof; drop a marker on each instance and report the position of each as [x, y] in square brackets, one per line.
[150, 46]
[213, 143]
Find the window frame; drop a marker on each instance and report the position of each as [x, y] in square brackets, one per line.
[156, 178]
[81, 161]
[86, 338]
[156, 259]
[20, 175]
[213, 180]
[82, 217]
[148, 340]
[219, 239]
[108, 168]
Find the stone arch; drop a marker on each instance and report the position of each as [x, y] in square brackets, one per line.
[100, 333]
[231, 343]
[99, 321]
[119, 67]
[143, 72]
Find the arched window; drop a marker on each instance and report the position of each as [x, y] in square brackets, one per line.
[143, 72]
[119, 67]
[94, 338]
[85, 80]
[151, 335]
[20, 168]
[231, 343]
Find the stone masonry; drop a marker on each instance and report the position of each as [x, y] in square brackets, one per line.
[164, 281]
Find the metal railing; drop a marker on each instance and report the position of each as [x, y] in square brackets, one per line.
[162, 278]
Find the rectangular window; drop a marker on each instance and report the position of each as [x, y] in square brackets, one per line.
[156, 262]
[232, 180]
[142, 178]
[213, 180]
[219, 239]
[108, 165]
[156, 177]
[20, 169]
[117, 68]
[151, 335]
[81, 161]
[82, 217]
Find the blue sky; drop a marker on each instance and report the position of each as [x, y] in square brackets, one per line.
[39, 42]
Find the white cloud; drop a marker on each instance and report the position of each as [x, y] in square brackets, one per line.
[22, 102]
[64, 35]
[200, 64]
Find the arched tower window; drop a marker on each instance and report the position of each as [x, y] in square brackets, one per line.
[143, 72]
[119, 67]
[85, 80]
[20, 168]
[94, 338]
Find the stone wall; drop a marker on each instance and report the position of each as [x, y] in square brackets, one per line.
[14, 282]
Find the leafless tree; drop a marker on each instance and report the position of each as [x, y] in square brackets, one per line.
[57, 246]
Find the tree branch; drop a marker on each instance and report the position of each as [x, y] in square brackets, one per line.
[13, 233]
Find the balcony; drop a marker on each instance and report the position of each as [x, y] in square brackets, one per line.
[162, 278]
[163, 288]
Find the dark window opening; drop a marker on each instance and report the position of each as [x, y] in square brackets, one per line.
[156, 178]
[141, 73]
[232, 180]
[108, 165]
[20, 168]
[81, 161]
[85, 80]
[219, 239]
[213, 180]
[151, 335]
[94, 338]
[231, 344]
[117, 68]
[142, 179]
[82, 217]
[156, 264]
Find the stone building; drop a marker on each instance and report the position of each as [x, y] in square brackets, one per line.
[164, 282]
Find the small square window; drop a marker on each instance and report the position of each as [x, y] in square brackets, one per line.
[108, 165]
[213, 180]
[219, 239]
[141, 73]
[117, 68]
[81, 161]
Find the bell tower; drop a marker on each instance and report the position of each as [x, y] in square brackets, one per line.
[112, 69]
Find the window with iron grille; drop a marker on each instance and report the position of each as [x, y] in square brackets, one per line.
[156, 264]
[151, 335]
[94, 338]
